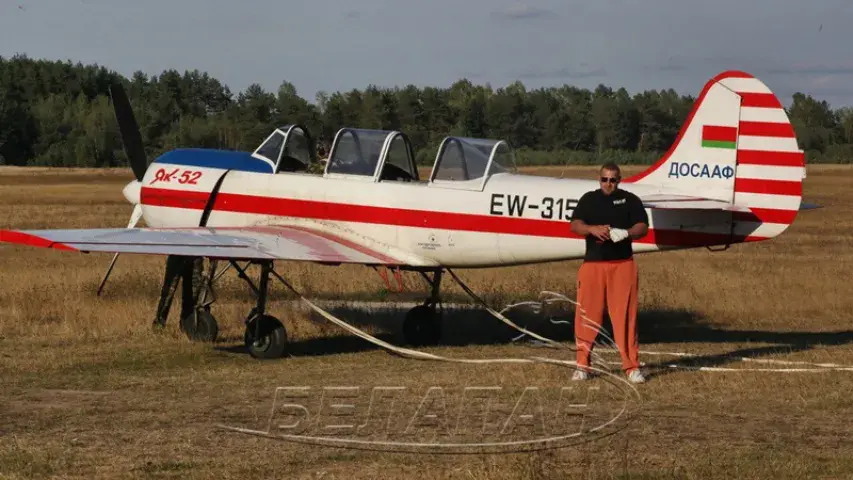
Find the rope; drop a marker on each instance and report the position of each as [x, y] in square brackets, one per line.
[418, 355]
[595, 357]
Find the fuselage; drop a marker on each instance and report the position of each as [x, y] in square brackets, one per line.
[507, 219]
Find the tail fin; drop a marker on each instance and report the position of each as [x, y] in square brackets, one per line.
[737, 145]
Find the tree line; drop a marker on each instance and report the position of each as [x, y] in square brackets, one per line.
[58, 113]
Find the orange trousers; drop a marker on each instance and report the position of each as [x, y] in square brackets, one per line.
[612, 284]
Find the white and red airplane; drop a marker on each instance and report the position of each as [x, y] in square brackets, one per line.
[733, 175]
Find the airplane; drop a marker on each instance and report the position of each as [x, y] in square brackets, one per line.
[734, 174]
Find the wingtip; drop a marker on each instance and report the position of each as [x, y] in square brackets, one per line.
[23, 238]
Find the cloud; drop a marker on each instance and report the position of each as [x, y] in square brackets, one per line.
[523, 11]
[671, 67]
[470, 75]
[828, 85]
[829, 81]
[761, 68]
[824, 69]
[681, 63]
[563, 73]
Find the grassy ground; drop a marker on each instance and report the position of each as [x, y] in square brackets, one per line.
[88, 391]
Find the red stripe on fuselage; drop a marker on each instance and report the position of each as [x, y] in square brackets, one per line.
[681, 238]
[310, 209]
[288, 207]
[174, 198]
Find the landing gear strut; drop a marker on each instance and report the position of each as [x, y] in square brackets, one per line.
[200, 325]
[422, 326]
[265, 336]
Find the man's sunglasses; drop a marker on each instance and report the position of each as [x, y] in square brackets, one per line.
[609, 180]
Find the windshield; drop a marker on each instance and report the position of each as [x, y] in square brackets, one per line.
[461, 158]
[271, 147]
[356, 151]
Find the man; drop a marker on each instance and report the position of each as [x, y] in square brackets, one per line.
[610, 219]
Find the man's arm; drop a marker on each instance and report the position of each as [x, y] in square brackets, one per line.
[579, 225]
[639, 230]
[639, 219]
[602, 232]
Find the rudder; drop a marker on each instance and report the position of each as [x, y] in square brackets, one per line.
[770, 165]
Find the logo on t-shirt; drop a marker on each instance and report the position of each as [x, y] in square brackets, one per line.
[619, 202]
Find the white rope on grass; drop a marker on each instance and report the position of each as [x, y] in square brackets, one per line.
[557, 298]
[596, 359]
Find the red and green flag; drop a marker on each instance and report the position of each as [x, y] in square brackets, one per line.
[719, 137]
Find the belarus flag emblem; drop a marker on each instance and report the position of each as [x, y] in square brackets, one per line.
[719, 137]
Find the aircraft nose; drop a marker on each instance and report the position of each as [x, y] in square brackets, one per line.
[132, 192]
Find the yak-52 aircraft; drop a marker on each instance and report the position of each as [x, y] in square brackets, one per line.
[734, 174]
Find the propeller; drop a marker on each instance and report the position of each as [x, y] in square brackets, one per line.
[129, 130]
[131, 139]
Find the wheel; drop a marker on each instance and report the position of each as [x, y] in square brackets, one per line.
[422, 326]
[272, 342]
[200, 326]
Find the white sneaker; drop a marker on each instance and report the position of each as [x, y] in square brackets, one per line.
[580, 375]
[636, 376]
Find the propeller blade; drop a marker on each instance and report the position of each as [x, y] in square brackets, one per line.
[129, 129]
[134, 219]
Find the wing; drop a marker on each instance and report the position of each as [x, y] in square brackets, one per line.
[268, 243]
[666, 201]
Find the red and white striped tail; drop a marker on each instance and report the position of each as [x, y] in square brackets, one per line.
[770, 165]
[737, 145]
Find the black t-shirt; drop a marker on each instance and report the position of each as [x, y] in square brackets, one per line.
[620, 209]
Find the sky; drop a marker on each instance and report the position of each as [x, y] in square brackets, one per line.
[335, 45]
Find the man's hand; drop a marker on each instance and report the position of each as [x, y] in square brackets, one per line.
[601, 232]
[618, 234]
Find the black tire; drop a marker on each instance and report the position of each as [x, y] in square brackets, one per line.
[200, 326]
[272, 342]
[422, 326]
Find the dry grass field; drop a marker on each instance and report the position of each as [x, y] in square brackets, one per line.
[87, 390]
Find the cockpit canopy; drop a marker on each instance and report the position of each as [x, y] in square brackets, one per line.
[387, 155]
[463, 159]
[287, 149]
[372, 154]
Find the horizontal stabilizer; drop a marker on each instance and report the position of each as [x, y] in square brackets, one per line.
[666, 201]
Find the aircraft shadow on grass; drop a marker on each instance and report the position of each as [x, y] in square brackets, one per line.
[475, 326]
